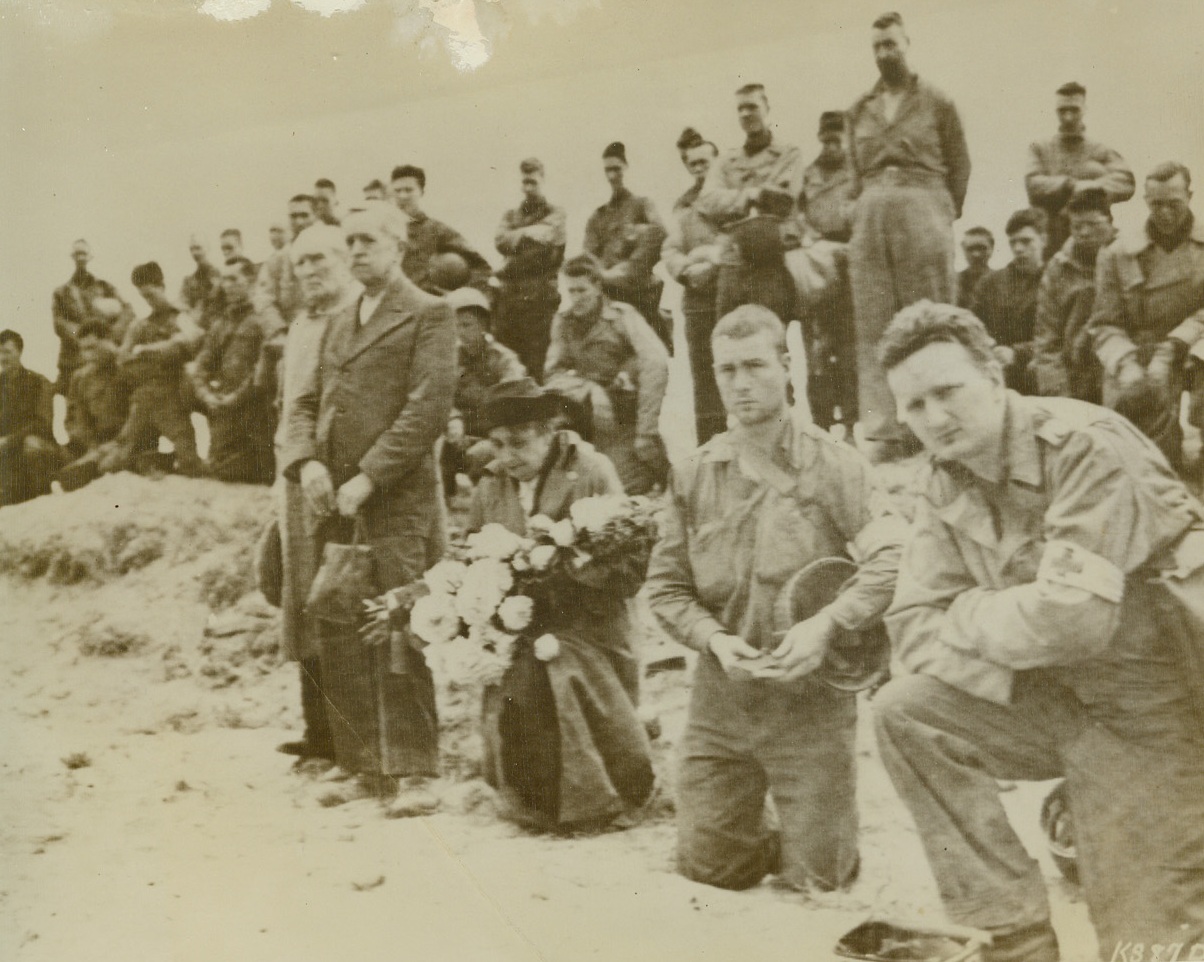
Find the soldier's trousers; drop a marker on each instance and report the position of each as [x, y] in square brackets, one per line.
[240, 445]
[160, 413]
[26, 473]
[769, 285]
[901, 252]
[523, 320]
[698, 308]
[1136, 788]
[746, 740]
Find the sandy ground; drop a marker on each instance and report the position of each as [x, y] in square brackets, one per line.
[147, 816]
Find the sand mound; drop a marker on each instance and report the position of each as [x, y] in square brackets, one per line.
[123, 523]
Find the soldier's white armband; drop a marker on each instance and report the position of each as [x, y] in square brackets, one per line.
[1066, 563]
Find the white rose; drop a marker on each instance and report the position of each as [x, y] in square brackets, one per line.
[446, 577]
[515, 612]
[594, 514]
[540, 524]
[563, 533]
[520, 563]
[547, 647]
[434, 619]
[541, 557]
[494, 541]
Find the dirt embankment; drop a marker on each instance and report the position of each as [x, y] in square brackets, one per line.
[146, 815]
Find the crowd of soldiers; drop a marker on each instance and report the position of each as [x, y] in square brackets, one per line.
[1044, 603]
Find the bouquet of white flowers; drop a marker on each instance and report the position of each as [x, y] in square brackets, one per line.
[470, 612]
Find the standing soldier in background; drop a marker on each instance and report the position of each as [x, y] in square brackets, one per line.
[531, 237]
[28, 454]
[827, 204]
[978, 244]
[326, 201]
[1063, 361]
[1069, 162]
[605, 357]
[223, 380]
[277, 236]
[428, 236]
[625, 235]
[1149, 311]
[152, 360]
[276, 288]
[751, 194]
[691, 257]
[201, 291]
[319, 256]
[827, 198]
[1006, 301]
[229, 242]
[911, 169]
[82, 299]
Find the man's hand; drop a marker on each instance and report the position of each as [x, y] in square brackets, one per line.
[317, 488]
[738, 658]
[696, 273]
[1129, 374]
[353, 494]
[1004, 354]
[650, 452]
[35, 444]
[804, 647]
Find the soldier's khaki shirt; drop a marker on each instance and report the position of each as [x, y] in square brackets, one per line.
[732, 533]
[1048, 566]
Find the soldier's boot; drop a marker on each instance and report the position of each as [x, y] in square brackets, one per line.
[1033, 943]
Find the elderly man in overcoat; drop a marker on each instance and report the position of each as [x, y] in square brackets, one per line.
[319, 256]
[360, 439]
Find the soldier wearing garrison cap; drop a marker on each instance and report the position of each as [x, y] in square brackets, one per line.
[827, 204]
[531, 237]
[691, 257]
[625, 235]
[827, 198]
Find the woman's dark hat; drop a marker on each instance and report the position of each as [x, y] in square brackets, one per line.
[520, 401]
[856, 659]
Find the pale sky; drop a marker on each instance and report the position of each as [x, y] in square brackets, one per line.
[135, 124]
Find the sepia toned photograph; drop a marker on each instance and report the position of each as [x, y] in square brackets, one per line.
[514, 480]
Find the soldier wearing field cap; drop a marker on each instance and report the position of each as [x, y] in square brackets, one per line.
[827, 198]
[481, 363]
[625, 235]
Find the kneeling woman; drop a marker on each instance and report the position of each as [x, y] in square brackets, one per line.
[563, 742]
